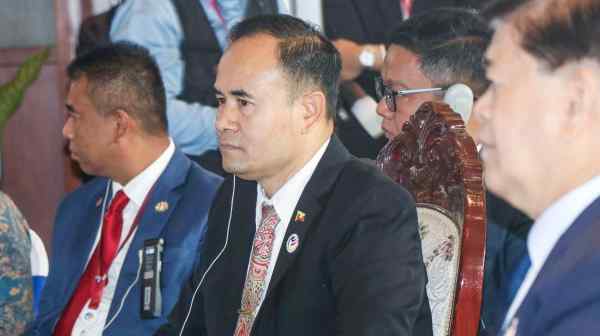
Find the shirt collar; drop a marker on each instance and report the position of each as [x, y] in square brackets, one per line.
[285, 199]
[139, 186]
[556, 220]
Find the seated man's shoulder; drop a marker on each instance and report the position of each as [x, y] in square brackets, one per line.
[205, 177]
[86, 190]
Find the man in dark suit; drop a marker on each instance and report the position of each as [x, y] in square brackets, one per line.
[539, 129]
[147, 189]
[303, 239]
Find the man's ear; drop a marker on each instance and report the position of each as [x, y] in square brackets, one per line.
[124, 123]
[314, 107]
[584, 95]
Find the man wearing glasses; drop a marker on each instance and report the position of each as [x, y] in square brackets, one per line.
[426, 55]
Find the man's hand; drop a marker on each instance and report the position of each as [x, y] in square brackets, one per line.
[350, 51]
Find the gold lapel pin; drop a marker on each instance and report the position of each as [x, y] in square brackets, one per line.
[161, 206]
[300, 216]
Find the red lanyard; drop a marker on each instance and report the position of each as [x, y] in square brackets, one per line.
[101, 278]
[136, 220]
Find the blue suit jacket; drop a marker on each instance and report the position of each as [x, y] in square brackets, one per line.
[564, 300]
[189, 191]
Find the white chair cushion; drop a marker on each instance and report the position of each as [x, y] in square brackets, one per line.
[440, 242]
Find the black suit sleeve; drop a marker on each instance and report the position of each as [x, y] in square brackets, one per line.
[378, 275]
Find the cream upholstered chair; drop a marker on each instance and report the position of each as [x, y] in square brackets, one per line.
[437, 161]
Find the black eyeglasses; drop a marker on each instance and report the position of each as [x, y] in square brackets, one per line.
[385, 92]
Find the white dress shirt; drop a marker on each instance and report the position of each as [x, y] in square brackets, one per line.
[92, 321]
[547, 230]
[284, 201]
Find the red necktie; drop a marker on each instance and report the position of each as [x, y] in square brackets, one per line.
[406, 8]
[94, 279]
[255, 284]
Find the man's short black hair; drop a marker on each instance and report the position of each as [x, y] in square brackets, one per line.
[450, 44]
[306, 56]
[556, 32]
[124, 76]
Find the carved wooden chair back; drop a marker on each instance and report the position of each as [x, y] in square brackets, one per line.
[437, 161]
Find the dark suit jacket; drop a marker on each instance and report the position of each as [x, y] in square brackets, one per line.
[564, 300]
[189, 191]
[358, 269]
[506, 244]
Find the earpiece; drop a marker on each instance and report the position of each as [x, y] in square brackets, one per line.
[460, 98]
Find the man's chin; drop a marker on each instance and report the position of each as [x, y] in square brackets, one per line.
[84, 167]
[234, 168]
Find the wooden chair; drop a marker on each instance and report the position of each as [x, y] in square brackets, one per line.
[437, 161]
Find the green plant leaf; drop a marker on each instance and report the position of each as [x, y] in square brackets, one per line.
[12, 93]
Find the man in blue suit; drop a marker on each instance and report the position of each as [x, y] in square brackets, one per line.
[146, 189]
[539, 128]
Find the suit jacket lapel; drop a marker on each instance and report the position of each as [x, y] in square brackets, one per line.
[153, 221]
[310, 207]
[88, 230]
[243, 227]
